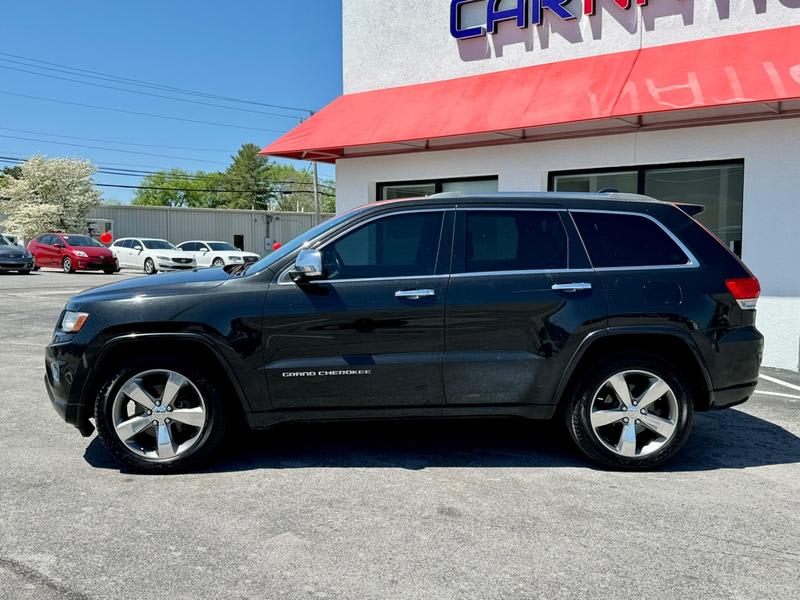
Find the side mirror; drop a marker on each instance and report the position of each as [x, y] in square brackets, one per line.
[307, 266]
[139, 248]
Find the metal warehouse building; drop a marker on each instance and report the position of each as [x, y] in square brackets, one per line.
[251, 230]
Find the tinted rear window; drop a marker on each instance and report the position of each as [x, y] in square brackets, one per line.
[506, 240]
[621, 240]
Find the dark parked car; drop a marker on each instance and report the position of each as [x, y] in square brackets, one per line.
[72, 252]
[620, 314]
[14, 258]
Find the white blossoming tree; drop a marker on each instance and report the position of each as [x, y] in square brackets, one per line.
[50, 194]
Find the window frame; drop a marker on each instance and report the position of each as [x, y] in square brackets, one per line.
[641, 171]
[458, 268]
[692, 263]
[285, 279]
[437, 183]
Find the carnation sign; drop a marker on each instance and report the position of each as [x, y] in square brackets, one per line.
[524, 13]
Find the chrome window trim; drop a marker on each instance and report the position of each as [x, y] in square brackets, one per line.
[692, 263]
[285, 273]
[524, 272]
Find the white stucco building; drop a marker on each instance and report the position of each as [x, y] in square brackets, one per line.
[692, 101]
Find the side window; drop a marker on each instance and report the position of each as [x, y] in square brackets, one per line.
[514, 240]
[46, 240]
[189, 247]
[125, 244]
[620, 240]
[402, 245]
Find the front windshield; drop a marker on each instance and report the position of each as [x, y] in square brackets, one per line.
[158, 245]
[217, 246]
[82, 241]
[289, 247]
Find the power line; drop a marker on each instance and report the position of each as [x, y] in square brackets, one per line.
[27, 139]
[107, 141]
[111, 87]
[115, 78]
[175, 189]
[104, 170]
[134, 112]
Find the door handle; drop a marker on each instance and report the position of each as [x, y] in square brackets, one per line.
[571, 287]
[414, 294]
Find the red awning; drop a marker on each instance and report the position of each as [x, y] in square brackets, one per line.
[744, 76]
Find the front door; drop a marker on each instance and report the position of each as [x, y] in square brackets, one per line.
[371, 333]
[521, 297]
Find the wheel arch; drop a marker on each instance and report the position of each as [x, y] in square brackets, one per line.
[203, 351]
[672, 344]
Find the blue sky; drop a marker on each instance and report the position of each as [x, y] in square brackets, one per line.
[269, 51]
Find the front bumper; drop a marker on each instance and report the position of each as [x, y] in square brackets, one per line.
[170, 266]
[16, 264]
[63, 380]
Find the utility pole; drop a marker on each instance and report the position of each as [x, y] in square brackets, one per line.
[316, 195]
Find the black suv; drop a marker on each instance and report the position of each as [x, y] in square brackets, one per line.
[618, 313]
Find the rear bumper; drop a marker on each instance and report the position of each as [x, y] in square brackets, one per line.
[734, 365]
[728, 397]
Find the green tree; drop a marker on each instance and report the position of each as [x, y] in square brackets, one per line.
[177, 187]
[48, 194]
[249, 175]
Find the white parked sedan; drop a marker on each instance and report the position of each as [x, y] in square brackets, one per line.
[217, 254]
[151, 255]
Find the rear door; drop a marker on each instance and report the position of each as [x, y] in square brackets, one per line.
[521, 297]
[371, 334]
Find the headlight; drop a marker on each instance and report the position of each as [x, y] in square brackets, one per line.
[235, 258]
[72, 322]
[164, 258]
[81, 253]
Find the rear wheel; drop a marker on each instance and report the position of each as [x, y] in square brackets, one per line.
[67, 266]
[149, 266]
[160, 416]
[633, 411]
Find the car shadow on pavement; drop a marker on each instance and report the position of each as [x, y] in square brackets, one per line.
[728, 439]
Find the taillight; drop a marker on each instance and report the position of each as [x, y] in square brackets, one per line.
[745, 290]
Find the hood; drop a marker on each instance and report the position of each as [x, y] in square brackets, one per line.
[12, 250]
[149, 286]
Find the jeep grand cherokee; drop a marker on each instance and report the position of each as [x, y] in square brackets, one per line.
[619, 314]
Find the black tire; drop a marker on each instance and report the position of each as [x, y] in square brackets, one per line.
[66, 265]
[25, 272]
[579, 406]
[218, 262]
[149, 266]
[36, 268]
[210, 438]
[109, 271]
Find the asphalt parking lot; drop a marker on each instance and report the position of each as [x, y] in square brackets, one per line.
[427, 510]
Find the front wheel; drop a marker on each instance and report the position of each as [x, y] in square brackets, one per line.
[160, 416]
[149, 266]
[25, 272]
[67, 266]
[218, 262]
[633, 411]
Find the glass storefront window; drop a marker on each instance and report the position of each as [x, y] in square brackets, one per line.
[719, 187]
[416, 189]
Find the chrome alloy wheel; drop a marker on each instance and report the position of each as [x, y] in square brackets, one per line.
[634, 413]
[159, 414]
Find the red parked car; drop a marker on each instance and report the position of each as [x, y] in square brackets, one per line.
[72, 252]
